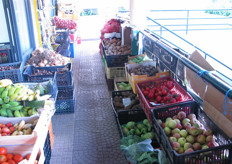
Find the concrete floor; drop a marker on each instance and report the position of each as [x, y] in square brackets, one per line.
[89, 135]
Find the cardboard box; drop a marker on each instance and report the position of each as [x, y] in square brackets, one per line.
[134, 79]
[212, 98]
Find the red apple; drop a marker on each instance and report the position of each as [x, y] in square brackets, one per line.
[181, 115]
[176, 135]
[189, 150]
[192, 116]
[208, 133]
[179, 126]
[175, 146]
[186, 125]
[201, 139]
[197, 146]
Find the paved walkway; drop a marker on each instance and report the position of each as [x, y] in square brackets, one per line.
[90, 135]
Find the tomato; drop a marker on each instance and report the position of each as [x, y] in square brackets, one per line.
[3, 158]
[147, 89]
[11, 161]
[5, 130]
[145, 93]
[5, 163]
[28, 156]
[18, 158]
[158, 98]
[9, 124]
[170, 84]
[9, 156]
[3, 151]
[2, 125]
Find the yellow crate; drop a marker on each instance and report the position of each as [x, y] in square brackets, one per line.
[112, 72]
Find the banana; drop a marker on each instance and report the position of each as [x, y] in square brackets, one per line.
[9, 113]
[19, 98]
[44, 97]
[6, 106]
[22, 114]
[28, 131]
[27, 108]
[25, 97]
[3, 112]
[29, 112]
[30, 92]
[6, 99]
[15, 103]
[1, 101]
[21, 124]
[11, 90]
[5, 82]
[15, 133]
[17, 113]
[18, 90]
[2, 89]
[31, 98]
[13, 97]
[37, 92]
[27, 125]
[23, 92]
[16, 108]
[4, 93]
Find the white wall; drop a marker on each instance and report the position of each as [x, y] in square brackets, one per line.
[3, 27]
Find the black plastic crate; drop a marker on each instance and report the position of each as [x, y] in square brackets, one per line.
[47, 150]
[221, 154]
[15, 74]
[120, 93]
[114, 60]
[65, 102]
[63, 36]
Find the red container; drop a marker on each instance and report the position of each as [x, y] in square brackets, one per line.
[147, 106]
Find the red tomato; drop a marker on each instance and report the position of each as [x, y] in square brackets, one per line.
[9, 156]
[3, 151]
[2, 125]
[9, 124]
[28, 156]
[5, 163]
[3, 158]
[147, 89]
[11, 161]
[18, 158]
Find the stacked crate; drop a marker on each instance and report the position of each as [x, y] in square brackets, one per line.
[64, 41]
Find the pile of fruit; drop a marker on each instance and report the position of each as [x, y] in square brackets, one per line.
[138, 59]
[46, 58]
[134, 102]
[148, 70]
[142, 129]
[187, 134]
[21, 128]
[41, 72]
[9, 158]
[124, 86]
[65, 23]
[161, 92]
[114, 47]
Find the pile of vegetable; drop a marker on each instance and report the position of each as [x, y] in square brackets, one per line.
[114, 47]
[134, 102]
[187, 134]
[65, 23]
[123, 85]
[7, 68]
[46, 58]
[142, 129]
[161, 92]
[21, 128]
[148, 70]
[138, 59]
[41, 72]
[9, 158]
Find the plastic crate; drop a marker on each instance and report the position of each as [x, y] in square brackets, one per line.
[120, 93]
[147, 107]
[112, 72]
[114, 60]
[65, 100]
[65, 52]
[15, 74]
[63, 46]
[27, 74]
[63, 36]
[47, 150]
[220, 154]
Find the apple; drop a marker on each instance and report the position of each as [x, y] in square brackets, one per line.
[163, 125]
[181, 141]
[167, 130]
[183, 133]
[159, 121]
[201, 139]
[189, 150]
[175, 146]
[193, 121]
[179, 126]
[208, 132]
[190, 139]
[193, 131]
[174, 117]
[212, 144]
[196, 146]
[187, 146]
[185, 120]
[172, 124]
[181, 115]
[200, 131]
[176, 135]
[181, 150]
[168, 119]
[192, 116]
[177, 120]
[186, 124]
[172, 139]
[204, 147]
[176, 130]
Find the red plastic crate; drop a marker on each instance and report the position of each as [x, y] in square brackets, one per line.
[147, 107]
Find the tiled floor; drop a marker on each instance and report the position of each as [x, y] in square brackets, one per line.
[90, 135]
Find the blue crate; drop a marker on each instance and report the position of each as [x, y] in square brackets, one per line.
[63, 78]
[65, 52]
[15, 74]
[47, 150]
[65, 100]
[63, 46]
[63, 35]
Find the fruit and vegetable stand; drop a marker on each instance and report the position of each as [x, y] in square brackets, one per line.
[158, 119]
